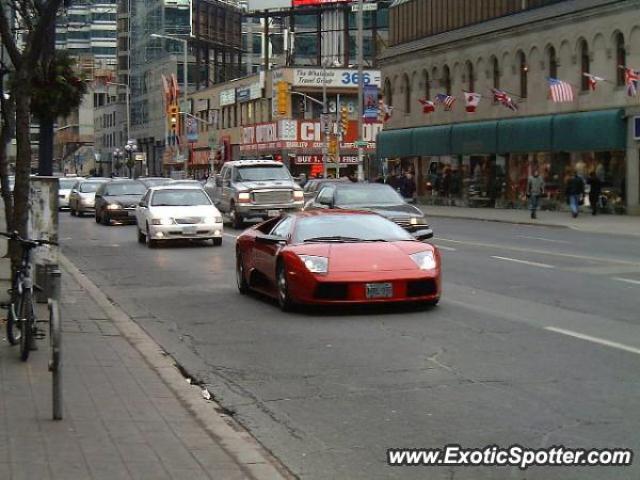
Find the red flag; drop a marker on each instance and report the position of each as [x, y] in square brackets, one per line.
[631, 79]
[593, 80]
[472, 100]
[427, 105]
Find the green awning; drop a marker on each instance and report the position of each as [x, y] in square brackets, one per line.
[432, 141]
[474, 137]
[589, 131]
[525, 135]
[394, 143]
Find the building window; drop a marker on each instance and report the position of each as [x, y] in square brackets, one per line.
[584, 65]
[470, 78]
[496, 73]
[553, 63]
[621, 59]
[524, 73]
[407, 94]
[446, 79]
[388, 94]
[427, 85]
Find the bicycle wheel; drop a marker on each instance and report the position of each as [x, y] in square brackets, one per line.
[55, 363]
[27, 321]
[13, 325]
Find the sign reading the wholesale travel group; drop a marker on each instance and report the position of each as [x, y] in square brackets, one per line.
[334, 77]
[299, 3]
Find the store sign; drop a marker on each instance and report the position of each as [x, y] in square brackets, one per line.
[227, 97]
[301, 3]
[333, 77]
[636, 128]
[251, 92]
[317, 159]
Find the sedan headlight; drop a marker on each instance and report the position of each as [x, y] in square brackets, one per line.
[209, 220]
[114, 206]
[161, 221]
[424, 260]
[315, 264]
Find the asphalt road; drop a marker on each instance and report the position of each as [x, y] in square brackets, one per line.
[536, 342]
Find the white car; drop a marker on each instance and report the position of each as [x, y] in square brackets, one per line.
[177, 212]
[65, 184]
[82, 198]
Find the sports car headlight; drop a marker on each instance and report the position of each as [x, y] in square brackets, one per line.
[114, 206]
[161, 221]
[424, 260]
[315, 264]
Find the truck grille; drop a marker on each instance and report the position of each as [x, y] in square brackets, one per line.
[188, 220]
[272, 196]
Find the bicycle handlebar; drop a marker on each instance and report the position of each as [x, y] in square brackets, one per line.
[27, 242]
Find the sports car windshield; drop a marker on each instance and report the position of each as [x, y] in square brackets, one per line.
[348, 228]
[179, 198]
[118, 189]
[367, 196]
[265, 172]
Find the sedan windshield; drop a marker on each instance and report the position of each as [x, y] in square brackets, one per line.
[264, 172]
[348, 228]
[89, 187]
[153, 182]
[67, 183]
[179, 198]
[125, 188]
[367, 196]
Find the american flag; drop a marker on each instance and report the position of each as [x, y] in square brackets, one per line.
[427, 105]
[502, 97]
[631, 79]
[384, 112]
[560, 91]
[446, 100]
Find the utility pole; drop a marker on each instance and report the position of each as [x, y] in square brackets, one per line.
[360, 87]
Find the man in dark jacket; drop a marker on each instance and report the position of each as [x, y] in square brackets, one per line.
[575, 192]
[595, 189]
[407, 186]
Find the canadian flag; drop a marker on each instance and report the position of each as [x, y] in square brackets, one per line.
[472, 100]
[427, 105]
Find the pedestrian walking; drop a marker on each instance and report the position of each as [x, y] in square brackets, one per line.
[595, 189]
[407, 186]
[575, 193]
[535, 189]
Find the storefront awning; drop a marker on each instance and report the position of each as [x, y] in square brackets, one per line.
[474, 137]
[431, 141]
[589, 131]
[395, 143]
[525, 135]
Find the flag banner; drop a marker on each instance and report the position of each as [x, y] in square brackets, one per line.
[631, 79]
[446, 100]
[385, 112]
[371, 107]
[471, 100]
[560, 91]
[192, 131]
[501, 97]
[593, 80]
[427, 105]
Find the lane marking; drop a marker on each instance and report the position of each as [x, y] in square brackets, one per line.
[589, 338]
[627, 280]
[540, 252]
[524, 262]
[448, 249]
[542, 239]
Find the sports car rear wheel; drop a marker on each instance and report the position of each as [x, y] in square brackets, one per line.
[241, 280]
[284, 299]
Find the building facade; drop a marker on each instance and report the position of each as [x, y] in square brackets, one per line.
[485, 157]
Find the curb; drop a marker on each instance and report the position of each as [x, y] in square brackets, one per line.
[234, 439]
[499, 220]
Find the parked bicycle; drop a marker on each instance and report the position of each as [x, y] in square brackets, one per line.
[21, 319]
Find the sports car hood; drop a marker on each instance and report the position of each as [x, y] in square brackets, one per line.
[124, 200]
[365, 257]
[271, 184]
[392, 211]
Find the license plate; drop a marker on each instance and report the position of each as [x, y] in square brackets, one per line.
[132, 213]
[379, 290]
[273, 213]
[190, 230]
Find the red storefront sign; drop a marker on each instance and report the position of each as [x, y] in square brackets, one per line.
[317, 159]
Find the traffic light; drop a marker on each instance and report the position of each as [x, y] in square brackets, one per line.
[174, 117]
[344, 120]
[282, 98]
[333, 146]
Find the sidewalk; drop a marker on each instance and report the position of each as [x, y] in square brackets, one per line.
[609, 224]
[125, 415]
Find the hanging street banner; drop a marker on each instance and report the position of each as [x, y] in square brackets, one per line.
[192, 131]
[371, 106]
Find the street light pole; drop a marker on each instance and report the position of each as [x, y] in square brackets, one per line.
[360, 87]
[325, 144]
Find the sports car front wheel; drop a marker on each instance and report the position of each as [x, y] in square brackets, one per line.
[284, 299]
[241, 281]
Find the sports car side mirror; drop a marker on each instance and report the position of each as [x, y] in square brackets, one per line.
[325, 202]
[422, 235]
[270, 239]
